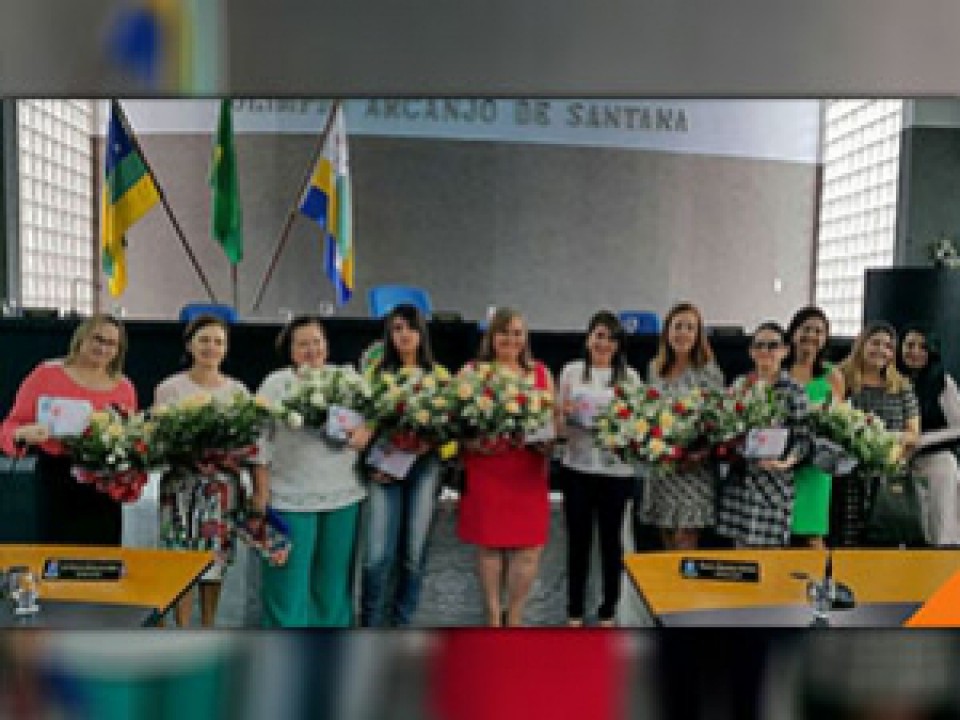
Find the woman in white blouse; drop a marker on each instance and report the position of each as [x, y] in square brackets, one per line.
[597, 486]
[315, 488]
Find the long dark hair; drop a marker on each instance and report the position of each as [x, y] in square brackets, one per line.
[414, 318]
[619, 363]
[929, 381]
[799, 318]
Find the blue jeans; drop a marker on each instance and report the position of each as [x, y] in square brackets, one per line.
[398, 511]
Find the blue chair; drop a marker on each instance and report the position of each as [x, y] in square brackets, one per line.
[384, 298]
[636, 322]
[225, 312]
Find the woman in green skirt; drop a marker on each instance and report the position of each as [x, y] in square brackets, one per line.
[807, 335]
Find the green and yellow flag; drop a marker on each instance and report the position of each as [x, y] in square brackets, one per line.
[128, 193]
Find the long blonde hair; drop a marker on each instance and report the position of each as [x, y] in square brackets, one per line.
[700, 355]
[853, 366]
[86, 329]
[498, 324]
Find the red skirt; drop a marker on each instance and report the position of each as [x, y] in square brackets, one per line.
[505, 502]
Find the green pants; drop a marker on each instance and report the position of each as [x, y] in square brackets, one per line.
[314, 588]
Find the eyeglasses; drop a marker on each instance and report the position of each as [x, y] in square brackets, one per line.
[106, 342]
[769, 345]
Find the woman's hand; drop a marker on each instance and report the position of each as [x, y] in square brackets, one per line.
[778, 465]
[381, 477]
[359, 437]
[279, 558]
[422, 447]
[33, 434]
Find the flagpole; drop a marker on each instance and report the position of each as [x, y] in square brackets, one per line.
[164, 201]
[288, 223]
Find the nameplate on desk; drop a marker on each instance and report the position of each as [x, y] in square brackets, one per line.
[727, 570]
[83, 569]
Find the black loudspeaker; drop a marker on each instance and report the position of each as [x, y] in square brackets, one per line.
[928, 297]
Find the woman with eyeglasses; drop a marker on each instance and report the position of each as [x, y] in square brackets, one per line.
[682, 505]
[186, 505]
[92, 374]
[936, 390]
[755, 509]
[807, 338]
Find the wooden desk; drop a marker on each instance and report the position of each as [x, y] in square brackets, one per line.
[154, 579]
[906, 578]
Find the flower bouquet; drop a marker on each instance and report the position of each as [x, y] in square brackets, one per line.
[499, 407]
[206, 434]
[115, 454]
[413, 406]
[728, 415]
[321, 394]
[642, 424]
[857, 438]
[412, 410]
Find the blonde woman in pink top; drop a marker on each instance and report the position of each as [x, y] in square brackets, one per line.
[92, 372]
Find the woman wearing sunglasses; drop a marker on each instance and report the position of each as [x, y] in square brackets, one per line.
[755, 509]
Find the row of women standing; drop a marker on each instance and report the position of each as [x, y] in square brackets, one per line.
[504, 506]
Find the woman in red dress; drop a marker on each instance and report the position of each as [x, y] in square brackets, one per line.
[505, 504]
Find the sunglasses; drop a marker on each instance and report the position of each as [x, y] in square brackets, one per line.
[768, 345]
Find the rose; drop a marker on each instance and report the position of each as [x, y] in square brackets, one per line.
[623, 412]
[739, 407]
[652, 393]
[641, 426]
[464, 391]
[295, 420]
[512, 408]
[656, 432]
[318, 399]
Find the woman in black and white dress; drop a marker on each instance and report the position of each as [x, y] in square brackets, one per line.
[681, 505]
[756, 510]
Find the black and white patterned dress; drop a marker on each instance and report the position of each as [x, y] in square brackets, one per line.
[756, 507]
[895, 409]
[682, 500]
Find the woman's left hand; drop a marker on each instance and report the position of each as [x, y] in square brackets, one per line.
[279, 558]
[359, 437]
[777, 465]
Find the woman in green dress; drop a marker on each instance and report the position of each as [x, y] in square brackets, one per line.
[807, 335]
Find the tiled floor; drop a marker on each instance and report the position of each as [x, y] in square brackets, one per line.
[451, 593]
